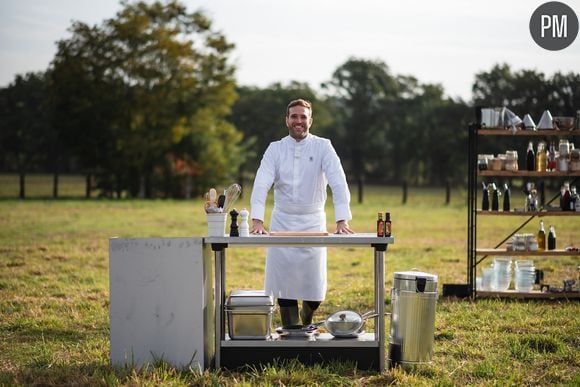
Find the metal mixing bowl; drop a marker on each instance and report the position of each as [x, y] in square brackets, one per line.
[564, 123]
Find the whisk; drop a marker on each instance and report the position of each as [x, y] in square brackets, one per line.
[232, 193]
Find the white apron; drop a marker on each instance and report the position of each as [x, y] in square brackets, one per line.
[296, 273]
[300, 173]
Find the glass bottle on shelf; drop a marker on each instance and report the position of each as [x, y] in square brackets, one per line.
[565, 197]
[552, 238]
[552, 157]
[541, 237]
[506, 197]
[576, 200]
[541, 157]
[573, 198]
[530, 158]
[494, 198]
[485, 198]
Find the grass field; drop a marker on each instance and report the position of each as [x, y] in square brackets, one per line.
[54, 295]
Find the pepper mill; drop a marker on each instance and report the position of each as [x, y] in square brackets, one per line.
[244, 226]
[234, 226]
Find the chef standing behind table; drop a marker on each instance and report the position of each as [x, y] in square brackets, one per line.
[300, 166]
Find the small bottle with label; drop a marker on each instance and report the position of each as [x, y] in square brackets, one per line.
[541, 157]
[380, 225]
[552, 238]
[541, 237]
[388, 224]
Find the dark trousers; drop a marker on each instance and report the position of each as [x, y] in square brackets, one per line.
[286, 302]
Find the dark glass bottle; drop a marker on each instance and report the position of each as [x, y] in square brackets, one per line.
[380, 225]
[485, 199]
[566, 197]
[530, 158]
[506, 198]
[495, 198]
[388, 224]
[552, 238]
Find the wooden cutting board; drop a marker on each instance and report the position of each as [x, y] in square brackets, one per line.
[298, 233]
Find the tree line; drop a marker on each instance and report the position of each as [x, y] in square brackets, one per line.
[146, 105]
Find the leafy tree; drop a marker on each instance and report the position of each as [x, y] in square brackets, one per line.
[260, 114]
[364, 92]
[25, 133]
[151, 85]
[527, 91]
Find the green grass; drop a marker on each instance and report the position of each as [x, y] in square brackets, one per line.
[54, 296]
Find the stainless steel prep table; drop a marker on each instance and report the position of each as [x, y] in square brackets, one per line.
[368, 350]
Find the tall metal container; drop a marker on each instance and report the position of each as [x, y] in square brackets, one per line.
[413, 299]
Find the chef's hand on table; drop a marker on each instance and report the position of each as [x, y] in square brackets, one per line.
[343, 228]
[258, 227]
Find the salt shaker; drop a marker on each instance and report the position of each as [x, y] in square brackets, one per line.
[244, 226]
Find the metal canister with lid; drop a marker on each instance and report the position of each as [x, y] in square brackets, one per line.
[414, 300]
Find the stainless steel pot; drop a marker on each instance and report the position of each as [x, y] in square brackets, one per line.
[346, 323]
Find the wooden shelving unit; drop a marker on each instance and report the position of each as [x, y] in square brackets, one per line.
[477, 254]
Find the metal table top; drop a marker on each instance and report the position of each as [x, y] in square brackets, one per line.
[342, 240]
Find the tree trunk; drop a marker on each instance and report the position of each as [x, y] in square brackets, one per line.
[241, 180]
[88, 186]
[118, 186]
[447, 192]
[188, 185]
[360, 183]
[148, 187]
[404, 192]
[55, 185]
[22, 178]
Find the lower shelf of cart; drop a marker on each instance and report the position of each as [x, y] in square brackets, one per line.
[546, 253]
[533, 294]
[320, 340]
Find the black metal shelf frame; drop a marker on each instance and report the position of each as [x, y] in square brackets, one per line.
[472, 181]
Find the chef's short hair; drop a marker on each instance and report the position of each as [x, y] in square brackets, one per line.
[299, 102]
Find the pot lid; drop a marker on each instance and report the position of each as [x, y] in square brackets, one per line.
[413, 275]
[345, 316]
[242, 297]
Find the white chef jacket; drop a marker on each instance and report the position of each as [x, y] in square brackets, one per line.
[300, 172]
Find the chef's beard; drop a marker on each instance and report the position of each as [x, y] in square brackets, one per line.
[298, 135]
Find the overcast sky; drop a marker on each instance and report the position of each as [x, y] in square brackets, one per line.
[438, 41]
